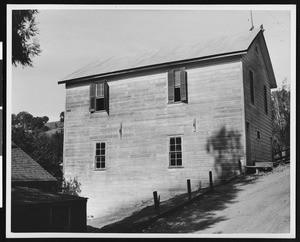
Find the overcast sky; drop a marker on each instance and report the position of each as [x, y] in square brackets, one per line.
[70, 39]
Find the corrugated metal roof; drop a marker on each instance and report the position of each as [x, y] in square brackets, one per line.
[204, 48]
[25, 169]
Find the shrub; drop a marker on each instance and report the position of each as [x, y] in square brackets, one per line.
[71, 186]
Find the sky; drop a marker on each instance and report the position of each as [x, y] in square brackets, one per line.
[70, 39]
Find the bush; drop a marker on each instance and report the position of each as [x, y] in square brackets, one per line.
[71, 186]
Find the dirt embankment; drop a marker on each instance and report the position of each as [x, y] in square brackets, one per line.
[251, 204]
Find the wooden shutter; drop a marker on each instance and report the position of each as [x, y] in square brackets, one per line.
[92, 97]
[171, 86]
[106, 96]
[183, 86]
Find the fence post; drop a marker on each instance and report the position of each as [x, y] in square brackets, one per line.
[189, 188]
[210, 181]
[156, 202]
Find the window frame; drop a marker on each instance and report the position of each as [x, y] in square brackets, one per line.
[94, 97]
[100, 97]
[95, 156]
[169, 152]
[182, 85]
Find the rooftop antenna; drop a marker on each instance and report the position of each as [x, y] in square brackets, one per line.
[252, 26]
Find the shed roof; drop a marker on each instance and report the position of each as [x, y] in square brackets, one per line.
[25, 169]
[28, 195]
[216, 47]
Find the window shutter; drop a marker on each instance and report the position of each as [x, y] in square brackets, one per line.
[183, 86]
[170, 86]
[92, 97]
[106, 96]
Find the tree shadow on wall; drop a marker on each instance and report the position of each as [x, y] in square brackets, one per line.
[226, 148]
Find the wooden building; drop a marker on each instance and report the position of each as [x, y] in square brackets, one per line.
[36, 210]
[34, 205]
[149, 122]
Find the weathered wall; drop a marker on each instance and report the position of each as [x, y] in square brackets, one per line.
[255, 114]
[137, 164]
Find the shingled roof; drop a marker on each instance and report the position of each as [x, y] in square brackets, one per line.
[216, 47]
[25, 169]
[29, 195]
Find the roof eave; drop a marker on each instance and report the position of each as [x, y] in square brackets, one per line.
[144, 68]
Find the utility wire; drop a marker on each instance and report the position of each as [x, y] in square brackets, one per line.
[277, 21]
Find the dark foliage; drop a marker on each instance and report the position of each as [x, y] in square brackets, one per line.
[62, 117]
[24, 29]
[281, 118]
[29, 134]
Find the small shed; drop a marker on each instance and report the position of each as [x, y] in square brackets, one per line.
[34, 210]
[35, 207]
[27, 172]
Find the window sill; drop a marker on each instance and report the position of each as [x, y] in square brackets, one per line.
[102, 169]
[177, 103]
[175, 167]
[100, 111]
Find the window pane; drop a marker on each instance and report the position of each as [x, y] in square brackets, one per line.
[172, 141]
[172, 162]
[177, 78]
[97, 152]
[102, 145]
[179, 162]
[177, 94]
[100, 90]
[100, 104]
[179, 156]
[172, 148]
[103, 165]
[103, 152]
[178, 140]
[97, 165]
[172, 155]
[97, 145]
[178, 147]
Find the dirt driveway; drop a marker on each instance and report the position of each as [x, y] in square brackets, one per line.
[252, 204]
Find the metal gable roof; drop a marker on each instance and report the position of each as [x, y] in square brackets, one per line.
[233, 43]
[25, 169]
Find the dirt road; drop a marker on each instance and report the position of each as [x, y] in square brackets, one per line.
[251, 204]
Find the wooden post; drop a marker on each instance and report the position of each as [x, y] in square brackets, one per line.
[156, 202]
[210, 181]
[189, 188]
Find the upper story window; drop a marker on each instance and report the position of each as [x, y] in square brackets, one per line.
[177, 85]
[265, 99]
[251, 86]
[175, 151]
[99, 96]
[100, 156]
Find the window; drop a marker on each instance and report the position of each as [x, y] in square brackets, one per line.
[266, 99]
[99, 96]
[175, 152]
[258, 135]
[100, 156]
[251, 86]
[177, 85]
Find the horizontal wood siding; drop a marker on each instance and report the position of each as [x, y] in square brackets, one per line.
[255, 114]
[138, 163]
